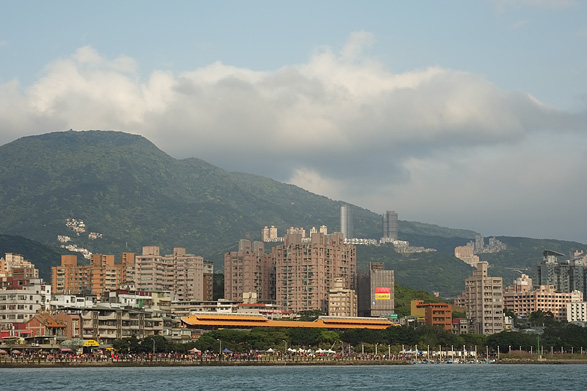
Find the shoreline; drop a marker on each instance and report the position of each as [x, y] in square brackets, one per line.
[244, 363]
[197, 363]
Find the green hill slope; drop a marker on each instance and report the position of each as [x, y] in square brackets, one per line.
[132, 194]
[39, 254]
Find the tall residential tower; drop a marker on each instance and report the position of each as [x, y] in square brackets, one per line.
[305, 272]
[390, 225]
[484, 301]
[346, 221]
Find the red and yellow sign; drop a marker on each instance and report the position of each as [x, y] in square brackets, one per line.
[382, 293]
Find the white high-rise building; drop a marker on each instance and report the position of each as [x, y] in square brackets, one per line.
[346, 221]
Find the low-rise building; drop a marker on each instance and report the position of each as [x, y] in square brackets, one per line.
[577, 311]
[437, 314]
[460, 326]
[17, 306]
[186, 308]
[106, 325]
[65, 301]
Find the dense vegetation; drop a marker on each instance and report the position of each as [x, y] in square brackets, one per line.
[263, 338]
[432, 272]
[31, 250]
[125, 188]
[555, 336]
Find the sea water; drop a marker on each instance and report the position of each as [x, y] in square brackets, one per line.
[291, 377]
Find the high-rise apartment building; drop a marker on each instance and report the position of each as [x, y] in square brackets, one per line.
[101, 275]
[479, 243]
[305, 271]
[390, 225]
[484, 301]
[565, 275]
[208, 286]
[346, 221]
[376, 293]
[248, 270]
[269, 234]
[180, 273]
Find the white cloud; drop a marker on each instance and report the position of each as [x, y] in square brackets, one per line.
[355, 45]
[339, 124]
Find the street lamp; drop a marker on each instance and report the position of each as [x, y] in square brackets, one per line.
[220, 349]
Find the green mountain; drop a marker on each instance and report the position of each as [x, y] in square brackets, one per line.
[129, 194]
[132, 194]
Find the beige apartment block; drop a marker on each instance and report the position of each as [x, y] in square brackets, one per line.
[180, 273]
[467, 255]
[305, 271]
[341, 301]
[248, 270]
[543, 298]
[484, 301]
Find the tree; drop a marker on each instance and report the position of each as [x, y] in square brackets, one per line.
[328, 336]
[400, 335]
[541, 318]
[311, 315]
[514, 339]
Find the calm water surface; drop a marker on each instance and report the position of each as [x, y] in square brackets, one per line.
[414, 377]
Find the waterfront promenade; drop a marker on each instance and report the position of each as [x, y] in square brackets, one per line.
[193, 360]
[117, 359]
[169, 360]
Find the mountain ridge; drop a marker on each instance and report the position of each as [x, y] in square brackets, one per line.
[133, 194]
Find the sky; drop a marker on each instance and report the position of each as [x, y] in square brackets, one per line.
[465, 114]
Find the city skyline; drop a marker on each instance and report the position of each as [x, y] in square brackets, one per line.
[463, 114]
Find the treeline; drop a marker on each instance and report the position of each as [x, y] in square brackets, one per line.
[264, 338]
[556, 336]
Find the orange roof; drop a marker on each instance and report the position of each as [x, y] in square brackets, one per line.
[357, 321]
[48, 321]
[212, 321]
[243, 318]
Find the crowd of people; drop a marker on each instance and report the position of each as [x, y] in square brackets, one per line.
[208, 357]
